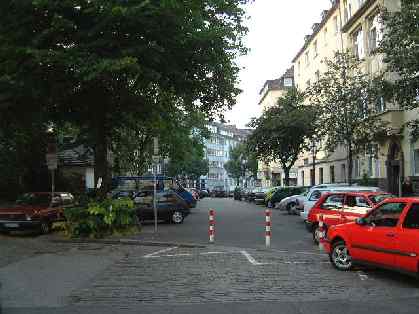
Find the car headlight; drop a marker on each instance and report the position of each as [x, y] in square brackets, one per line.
[28, 218]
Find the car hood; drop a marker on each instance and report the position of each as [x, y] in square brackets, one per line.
[21, 209]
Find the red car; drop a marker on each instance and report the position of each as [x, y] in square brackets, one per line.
[35, 211]
[387, 237]
[342, 207]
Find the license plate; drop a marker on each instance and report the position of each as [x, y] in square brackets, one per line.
[11, 225]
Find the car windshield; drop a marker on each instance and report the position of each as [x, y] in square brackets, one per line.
[34, 199]
[380, 197]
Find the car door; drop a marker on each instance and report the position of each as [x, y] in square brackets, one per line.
[144, 204]
[376, 241]
[407, 237]
[355, 206]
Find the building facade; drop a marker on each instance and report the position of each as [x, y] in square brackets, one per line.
[271, 174]
[217, 149]
[355, 25]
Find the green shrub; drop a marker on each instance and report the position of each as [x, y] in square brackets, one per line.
[101, 218]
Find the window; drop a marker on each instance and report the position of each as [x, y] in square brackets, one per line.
[332, 174]
[315, 195]
[416, 157]
[356, 201]
[288, 82]
[380, 105]
[377, 164]
[336, 25]
[305, 161]
[333, 201]
[375, 33]
[387, 215]
[315, 49]
[343, 172]
[299, 67]
[356, 168]
[370, 165]
[307, 58]
[412, 218]
[302, 178]
[320, 175]
[325, 36]
[358, 43]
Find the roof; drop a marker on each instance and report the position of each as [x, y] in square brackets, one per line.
[326, 17]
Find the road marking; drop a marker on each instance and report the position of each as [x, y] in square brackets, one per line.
[251, 259]
[211, 253]
[159, 252]
[362, 275]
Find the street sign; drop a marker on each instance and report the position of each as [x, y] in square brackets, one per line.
[52, 161]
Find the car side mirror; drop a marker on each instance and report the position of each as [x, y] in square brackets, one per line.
[361, 221]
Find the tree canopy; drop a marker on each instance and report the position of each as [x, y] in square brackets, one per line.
[114, 67]
[242, 161]
[401, 48]
[283, 131]
[347, 99]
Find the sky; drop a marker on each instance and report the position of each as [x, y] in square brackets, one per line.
[276, 34]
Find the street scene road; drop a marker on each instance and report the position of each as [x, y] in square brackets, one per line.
[236, 274]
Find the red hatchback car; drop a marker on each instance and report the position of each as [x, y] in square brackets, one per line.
[387, 237]
[342, 207]
[35, 211]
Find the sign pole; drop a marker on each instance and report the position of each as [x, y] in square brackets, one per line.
[154, 199]
[155, 163]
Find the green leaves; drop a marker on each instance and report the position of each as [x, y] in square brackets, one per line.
[284, 130]
[401, 48]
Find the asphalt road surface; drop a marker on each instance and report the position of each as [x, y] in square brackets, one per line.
[237, 274]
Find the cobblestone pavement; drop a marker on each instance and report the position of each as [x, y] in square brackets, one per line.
[191, 276]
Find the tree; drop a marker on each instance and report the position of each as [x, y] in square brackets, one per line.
[109, 65]
[283, 131]
[347, 101]
[241, 161]
[400, 46]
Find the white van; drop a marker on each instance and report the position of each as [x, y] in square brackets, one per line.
[314, 195]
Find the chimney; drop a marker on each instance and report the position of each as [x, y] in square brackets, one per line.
[307, 37]
[315, 26]
[324, 14]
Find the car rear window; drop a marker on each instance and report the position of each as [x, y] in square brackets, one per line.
[34, 199]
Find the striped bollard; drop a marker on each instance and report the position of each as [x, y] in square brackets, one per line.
[211, 225]
[321, 232]
[268, 228]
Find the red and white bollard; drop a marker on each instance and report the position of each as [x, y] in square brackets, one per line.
[268, 228]
[321, 232]
[211, 225]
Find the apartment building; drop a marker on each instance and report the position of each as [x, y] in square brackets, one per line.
[272, 174]
[356, 25]
[223, 138]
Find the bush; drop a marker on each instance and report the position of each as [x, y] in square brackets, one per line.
[101, 218]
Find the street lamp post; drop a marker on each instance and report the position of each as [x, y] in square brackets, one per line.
[313, 151]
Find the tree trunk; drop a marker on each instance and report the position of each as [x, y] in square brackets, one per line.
[101, 146]
[350, 164]
[287, 176]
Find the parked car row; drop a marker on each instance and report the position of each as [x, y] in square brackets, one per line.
[38, 211]
[362, 226]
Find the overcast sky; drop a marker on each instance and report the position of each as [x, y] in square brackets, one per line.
[276, 33]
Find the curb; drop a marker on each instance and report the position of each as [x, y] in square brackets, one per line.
[128, 242]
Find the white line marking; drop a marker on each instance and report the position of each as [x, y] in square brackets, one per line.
[160, 251]
[362, 275]
[251, 259]
[174, 255]
[210, 253]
